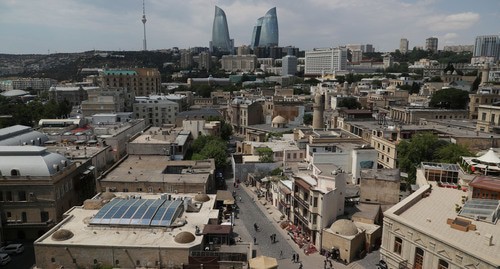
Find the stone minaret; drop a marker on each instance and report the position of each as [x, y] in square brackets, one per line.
[485, 73]
[318, 107]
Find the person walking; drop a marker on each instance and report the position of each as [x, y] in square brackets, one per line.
[293, 257]
[281, 254]
[254, 240]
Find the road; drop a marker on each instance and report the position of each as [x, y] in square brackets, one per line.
[250, 213]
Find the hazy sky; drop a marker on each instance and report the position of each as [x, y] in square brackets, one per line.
[40, 26]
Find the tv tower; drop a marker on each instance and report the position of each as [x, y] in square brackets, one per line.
[144, 47]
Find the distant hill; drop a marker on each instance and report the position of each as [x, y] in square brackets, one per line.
[67, 66]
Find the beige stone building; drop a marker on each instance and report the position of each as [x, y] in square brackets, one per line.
[380, 186]
[245, 112]
[348, 240]
[239, 63]
[408, 115]
[138, 235]
[157, 174]
[102, 100]
[432, 228]
[488, 119]
[141, 81]
[479, 99]
[37, 187]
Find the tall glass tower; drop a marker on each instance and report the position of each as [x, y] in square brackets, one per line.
[220, 33]
[487, 46]
[265, 32]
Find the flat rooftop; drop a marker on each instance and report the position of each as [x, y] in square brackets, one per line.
[155, 168]
[157, 135]
[85, 234]
[429, 215]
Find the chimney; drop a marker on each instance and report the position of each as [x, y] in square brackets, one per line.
[489, 239]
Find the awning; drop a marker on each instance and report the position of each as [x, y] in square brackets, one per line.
[285, 191]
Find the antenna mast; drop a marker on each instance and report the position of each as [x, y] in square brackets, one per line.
[144, 46]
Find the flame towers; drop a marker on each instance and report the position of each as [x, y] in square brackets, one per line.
[265, 33]
[220, 33]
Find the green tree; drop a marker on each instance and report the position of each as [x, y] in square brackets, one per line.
[450, 98]
[420, 148]
[265, 155]
[349, 103]
[308, 119]
[210, 147]
[451, 153]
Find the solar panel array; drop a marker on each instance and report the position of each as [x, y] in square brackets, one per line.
[139, 212]
[483, 209]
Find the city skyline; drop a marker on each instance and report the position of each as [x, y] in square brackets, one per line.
[76, 25]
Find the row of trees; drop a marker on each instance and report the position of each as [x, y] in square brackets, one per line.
[29, 114]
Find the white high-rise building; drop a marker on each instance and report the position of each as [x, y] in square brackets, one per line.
[289, 65]
[403, 45]
[325, 61]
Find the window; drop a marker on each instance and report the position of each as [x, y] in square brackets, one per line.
[1, 195]
[8, 196]
[398, 243]
[44, 216]
[22, 195]
[442, 264]
[419, 258]
[14, 172]
[315, 202]
[483, 117]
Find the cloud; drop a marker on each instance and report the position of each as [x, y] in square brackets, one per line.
[453, 22]
[304, 23]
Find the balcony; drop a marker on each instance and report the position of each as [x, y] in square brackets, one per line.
[300, 201]
[301, 218]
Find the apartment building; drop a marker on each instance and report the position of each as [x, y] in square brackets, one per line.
[156, 110]
[141, 81]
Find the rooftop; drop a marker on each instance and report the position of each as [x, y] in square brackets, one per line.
[429, 216]
[86, 234]
[155, 168]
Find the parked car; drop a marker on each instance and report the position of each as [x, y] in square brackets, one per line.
[80, 133]
[67, 133]
[4, 258]
[13, 249]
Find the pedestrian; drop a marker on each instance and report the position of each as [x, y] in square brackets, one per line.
[271, 237]
[254, 240]
[274, 238]
[297, 257]
[293, 257]
[330, 262]
[324, 267]
[281, 254]
[300, 266]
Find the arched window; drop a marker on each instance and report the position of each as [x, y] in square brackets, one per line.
[442, 264]
[419, 258]
[398, 243]
[14, 173]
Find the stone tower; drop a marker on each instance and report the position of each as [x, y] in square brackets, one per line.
[318, 107]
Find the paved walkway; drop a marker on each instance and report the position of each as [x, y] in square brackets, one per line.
[267, 217]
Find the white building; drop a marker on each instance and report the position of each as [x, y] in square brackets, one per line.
[325, 61]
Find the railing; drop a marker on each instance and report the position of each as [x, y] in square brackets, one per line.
[301, 218]
[301, 202]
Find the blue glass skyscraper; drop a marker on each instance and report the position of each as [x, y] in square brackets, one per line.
[220, 33]
[265, 32]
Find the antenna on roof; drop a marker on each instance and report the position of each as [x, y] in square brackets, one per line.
[144, 46]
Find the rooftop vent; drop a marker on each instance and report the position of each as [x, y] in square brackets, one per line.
[460, 224]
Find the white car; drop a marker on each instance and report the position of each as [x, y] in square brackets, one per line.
[4, 258]
[13, 249]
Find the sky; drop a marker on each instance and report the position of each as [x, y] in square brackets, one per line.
[50, 26]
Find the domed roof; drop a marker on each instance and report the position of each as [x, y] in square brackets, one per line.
[184, 237]
[14, 93]
[344, 227]
[107, 195]
[279, 120]
[201, 197]
[62, 235]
